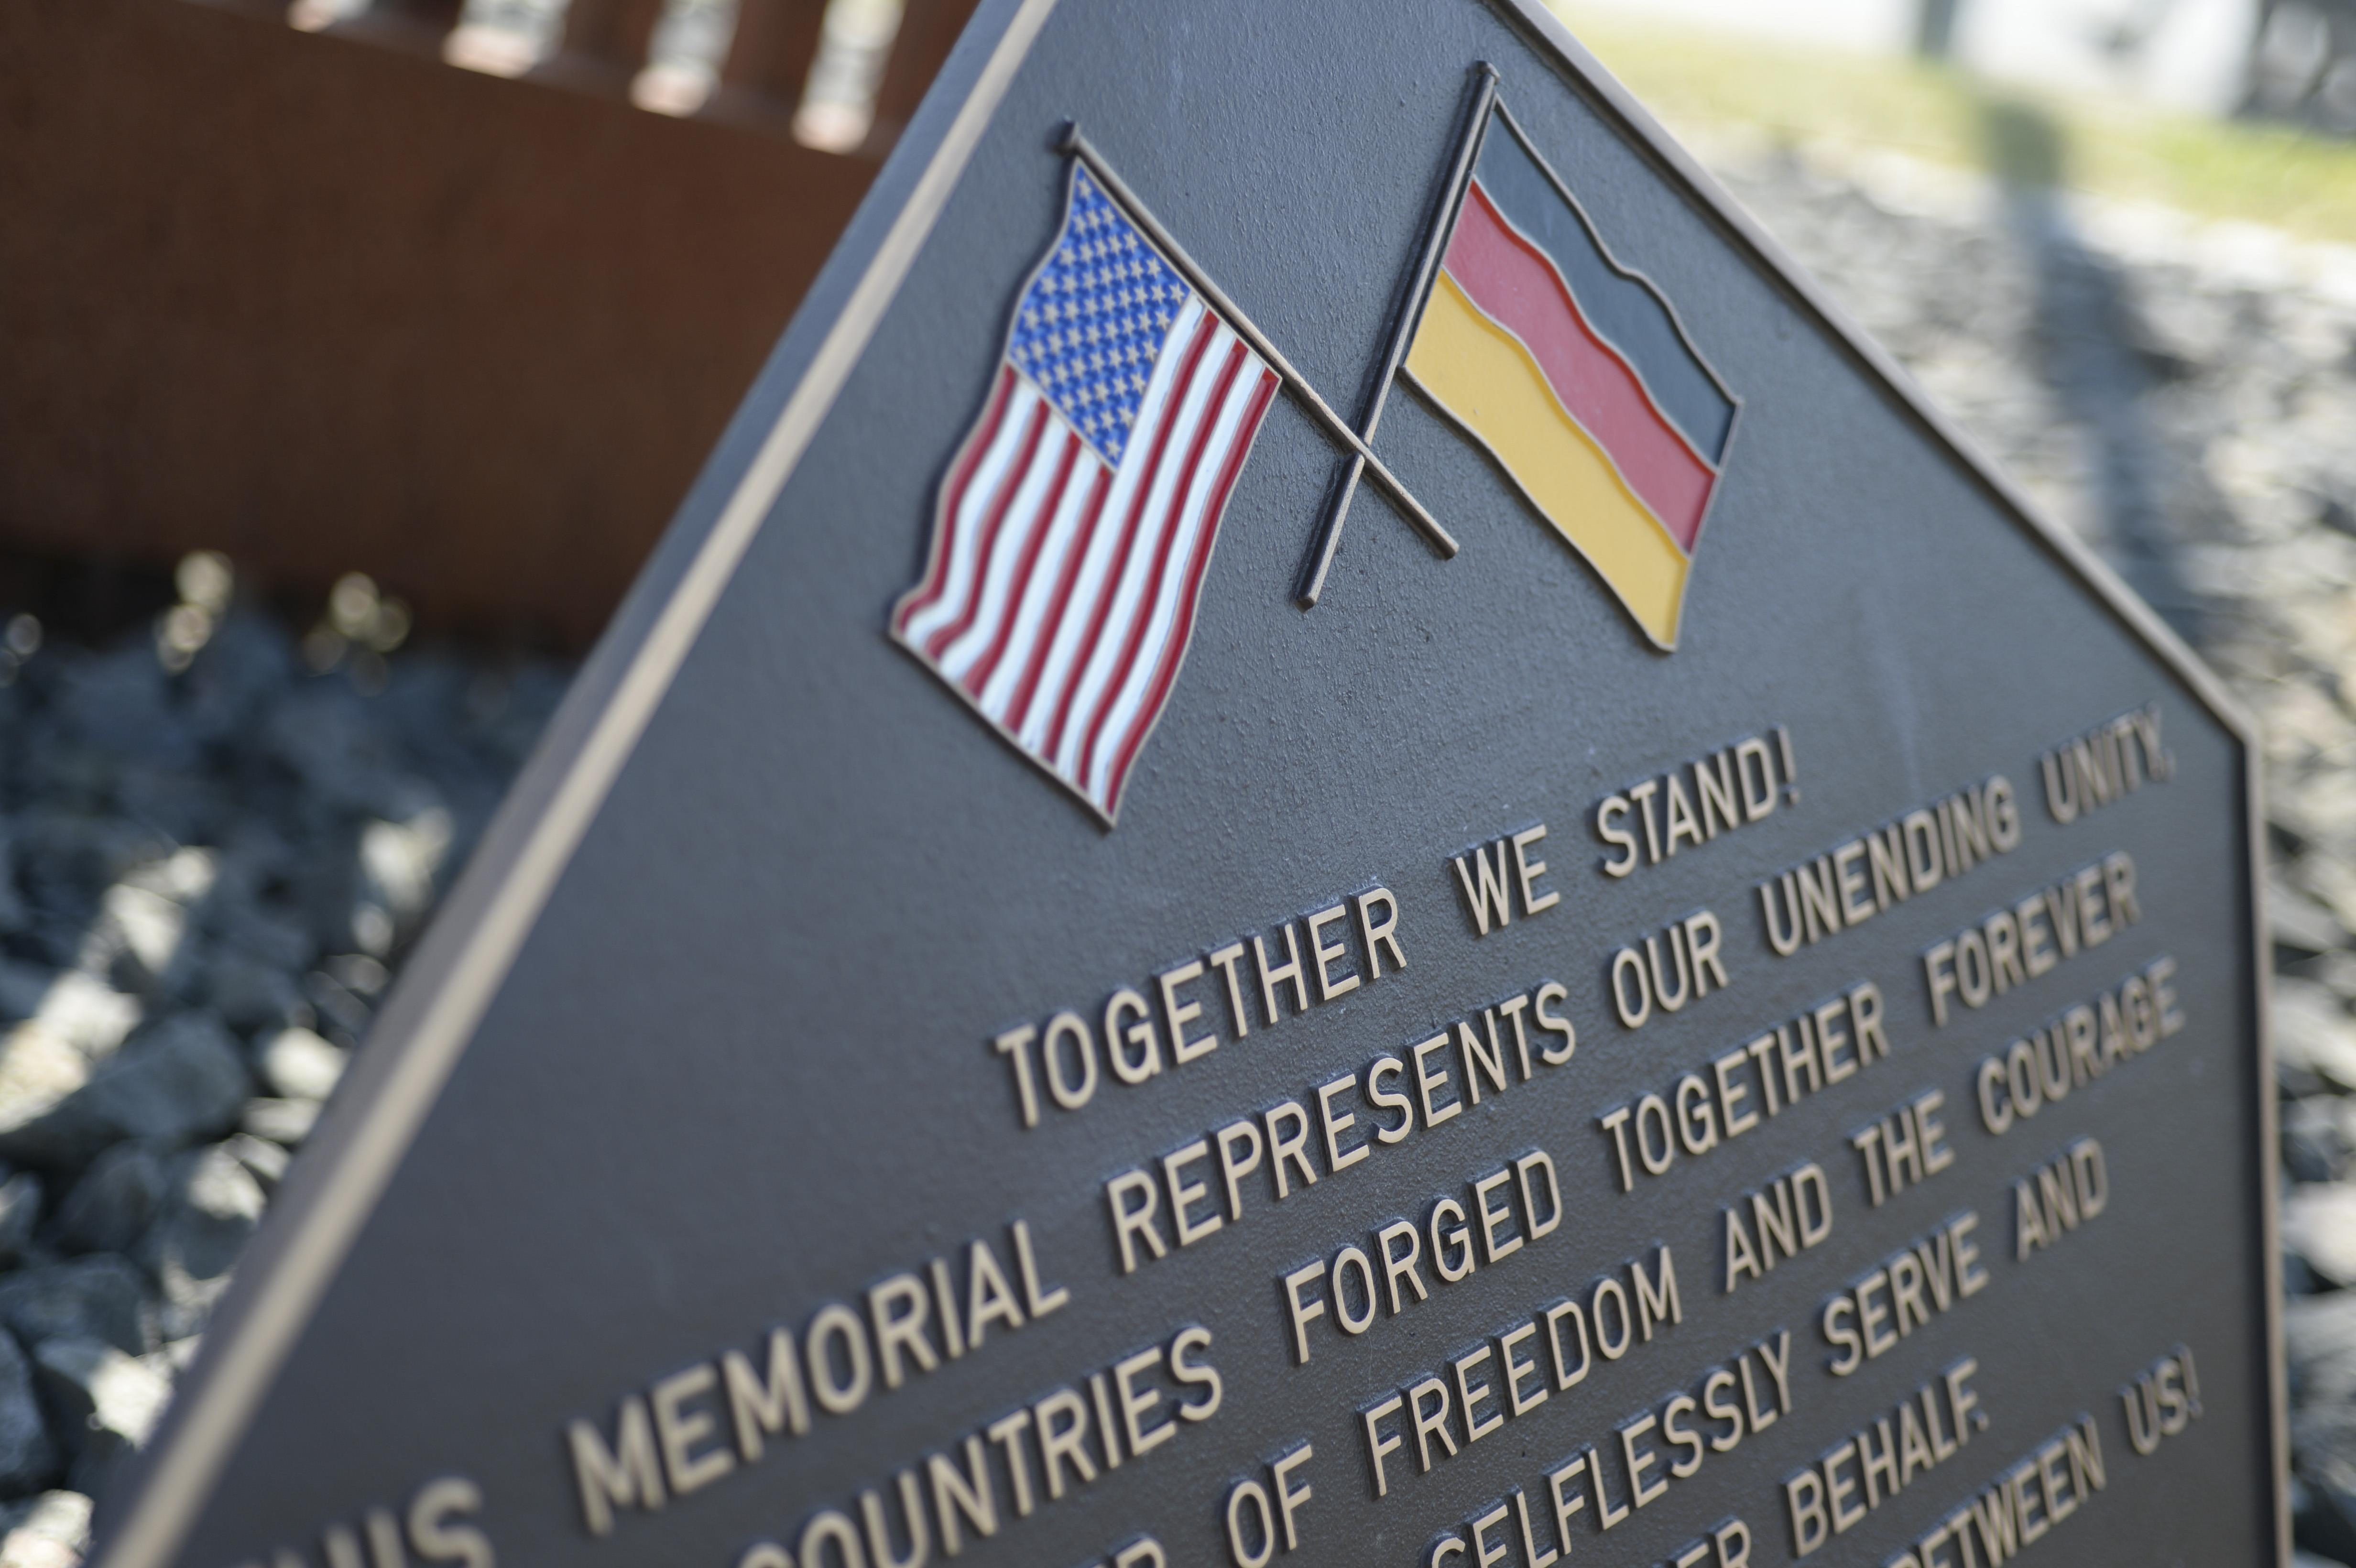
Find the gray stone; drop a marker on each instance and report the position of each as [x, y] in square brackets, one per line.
[2334, 971]
[2330, 878]
[145, 928]
[184, 876]
[12, 912]
[2298, 921]
[298, 1065]
[2313, 1030]
[185, 807]
[275, 938]
[22, 987]
[118, 703]
[38, 1071]
[97, 1297]
[341, 1012]
[87, 1013]
[365, 976]
[322, 732]
[2319, 1224]
[246, 663]
[2320, 1339]
[400, 861]
[20, 1215]
[251, 995]
[282, 1122]
[2345, 1110]
[113, 1203]
[266, 1160]
[106, 1402]
[2306, 1157]
[51, 1531]
[27, 1458]
[533, 689]
[2314, 1134]
[2297, 1083]
[182, 1081]
[215, 1204]
[63, 845]
[2323, 1482]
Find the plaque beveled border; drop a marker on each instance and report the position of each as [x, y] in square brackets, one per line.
[465, 958]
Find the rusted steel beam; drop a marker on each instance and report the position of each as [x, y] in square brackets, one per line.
[328, 306]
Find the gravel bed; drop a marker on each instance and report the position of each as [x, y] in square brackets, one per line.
[217, 840]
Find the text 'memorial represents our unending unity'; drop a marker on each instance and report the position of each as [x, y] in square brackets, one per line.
[1331, 838]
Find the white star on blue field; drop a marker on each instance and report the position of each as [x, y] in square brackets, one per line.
[1090, 326]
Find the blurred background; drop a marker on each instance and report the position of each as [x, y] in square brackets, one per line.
[359, 350]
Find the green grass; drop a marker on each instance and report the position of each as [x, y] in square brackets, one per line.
[1693, 79]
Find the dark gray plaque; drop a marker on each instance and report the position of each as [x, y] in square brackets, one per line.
[1685, 990]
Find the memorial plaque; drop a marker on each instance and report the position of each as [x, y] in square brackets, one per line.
[1640, 965]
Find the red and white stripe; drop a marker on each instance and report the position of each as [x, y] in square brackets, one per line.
[1060, 594]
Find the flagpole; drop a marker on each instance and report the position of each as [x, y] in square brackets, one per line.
[1468, 147]
[1295, 382]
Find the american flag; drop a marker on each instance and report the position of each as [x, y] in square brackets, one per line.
[1075, 526]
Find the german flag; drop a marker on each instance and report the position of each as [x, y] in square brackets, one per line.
[1575, 375]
